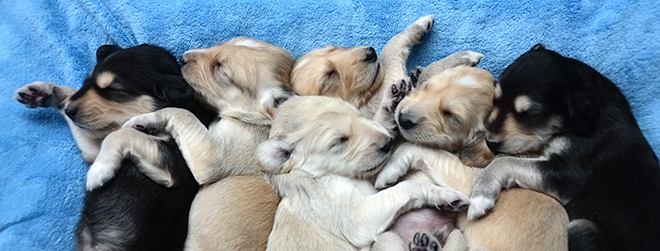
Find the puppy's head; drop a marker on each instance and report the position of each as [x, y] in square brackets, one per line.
[539, 96]
[320, 135]
[125, 83]
[242, 78]
[448, 111]
[350, 74]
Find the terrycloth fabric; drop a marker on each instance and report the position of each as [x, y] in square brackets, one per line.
[42, 175]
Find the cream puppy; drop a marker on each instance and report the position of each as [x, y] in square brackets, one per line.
[244, 80]
[356, 75]
[319, 152]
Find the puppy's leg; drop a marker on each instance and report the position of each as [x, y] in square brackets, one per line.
[42, 94]
[391, 98]
[469, 58]
[395, 53]
[443, 168]
[388, 241]
[210, 157]
[506, 172]
[119, 144]
[377, 212]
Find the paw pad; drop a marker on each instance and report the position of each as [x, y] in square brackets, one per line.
[424, 242]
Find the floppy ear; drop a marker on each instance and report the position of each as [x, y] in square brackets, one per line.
[104, 51]
[476, 153]
[583, 113]
[276, 156]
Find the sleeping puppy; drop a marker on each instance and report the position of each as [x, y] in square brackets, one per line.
[319, 152]
[442, 119]
[356, 75]
[593, 156]
[244, 80]
[128, 213]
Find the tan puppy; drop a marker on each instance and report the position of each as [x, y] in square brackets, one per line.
[319, 153]
[244, 80]
[356, 75]
[447, 112]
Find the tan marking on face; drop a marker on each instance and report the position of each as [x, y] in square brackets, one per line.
[498, 90]
[337, 72]
[97, 113]
[104, 79]
[522, 104]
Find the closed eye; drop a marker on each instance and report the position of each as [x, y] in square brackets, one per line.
[339, 142]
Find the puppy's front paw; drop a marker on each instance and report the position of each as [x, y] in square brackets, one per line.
[423, 241]
[422, 26]
[472, 57]
[149, 123]
[397, 92]
[479, 207]
[37, 94]
[451, 200]
[99, 173]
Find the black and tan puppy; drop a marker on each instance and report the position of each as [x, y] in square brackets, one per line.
[130, 212]
[593, 156]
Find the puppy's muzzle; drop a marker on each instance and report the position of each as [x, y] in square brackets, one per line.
[405, 122]
[370, 56]
[388, 146]
[493, 144]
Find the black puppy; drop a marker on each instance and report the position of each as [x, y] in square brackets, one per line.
[591, 154]
[131, 212]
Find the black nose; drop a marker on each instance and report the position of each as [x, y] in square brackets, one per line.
[370, 55]
[388, 146]
[71, 112]
[493, 145]
[182, 61]
[404, 122]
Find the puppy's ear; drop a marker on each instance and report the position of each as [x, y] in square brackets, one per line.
[583, 113]
[476, 153]
[104, 51]
[276, 156]
[538, 47]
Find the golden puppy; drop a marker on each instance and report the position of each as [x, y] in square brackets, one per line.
[356, 75]
[447, 111]
[244, 80]
[319, 153]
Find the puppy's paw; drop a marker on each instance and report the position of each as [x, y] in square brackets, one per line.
[423, 241]
[414, 76]
[472, 57]
[387, 178]
[37, 94]
[422, 27]
[479, 207]
[99, 173]
[397, 92]
[451, 200]
[149, 123]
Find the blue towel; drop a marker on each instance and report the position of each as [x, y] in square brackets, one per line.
[42, 175]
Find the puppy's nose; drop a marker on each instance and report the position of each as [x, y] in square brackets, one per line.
[493, 144]
[388, 146]
[405, 122]
[370, 55]
[182, 61]
[71, 112]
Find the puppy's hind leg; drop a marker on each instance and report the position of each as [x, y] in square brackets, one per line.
[144, 148]
[396, 51]
[43, 94]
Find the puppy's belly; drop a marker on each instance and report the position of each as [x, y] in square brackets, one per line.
[430, 220]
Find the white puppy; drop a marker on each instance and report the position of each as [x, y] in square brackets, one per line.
[318, 155]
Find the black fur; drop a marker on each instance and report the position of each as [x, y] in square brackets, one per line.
[132, 212]
[608, 174]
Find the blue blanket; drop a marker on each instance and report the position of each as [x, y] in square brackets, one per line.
[42, 175]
